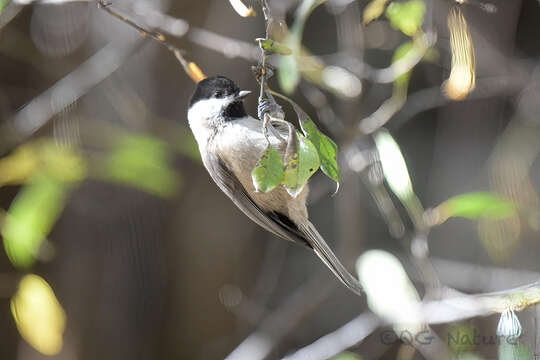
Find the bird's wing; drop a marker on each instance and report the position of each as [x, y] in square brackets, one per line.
[276, 223]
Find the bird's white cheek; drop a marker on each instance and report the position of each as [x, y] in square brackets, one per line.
[203, 118]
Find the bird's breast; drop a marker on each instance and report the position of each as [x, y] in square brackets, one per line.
[241, 144]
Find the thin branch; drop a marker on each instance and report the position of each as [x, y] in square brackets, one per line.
[190, 68]
[448, 310]
[463, 307]
[480, 278]
[226, 46]
[341, 339]
[264, 54]
[432, 98]
[385, 75]
[382, 115]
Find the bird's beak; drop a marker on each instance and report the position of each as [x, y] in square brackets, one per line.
[242, 94]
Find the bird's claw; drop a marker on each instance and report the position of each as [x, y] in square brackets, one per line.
[270, 107]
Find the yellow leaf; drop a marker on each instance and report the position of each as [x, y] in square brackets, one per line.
[17, 167]
[43, 155]
[40, 318]
[373, 10]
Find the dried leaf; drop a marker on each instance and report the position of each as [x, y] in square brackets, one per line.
[195, 72]
[241, 9]
[462, 74]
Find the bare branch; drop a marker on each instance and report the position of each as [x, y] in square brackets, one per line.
[450, 309]
[341, 339]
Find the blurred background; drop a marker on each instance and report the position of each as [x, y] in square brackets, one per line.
[118, 245]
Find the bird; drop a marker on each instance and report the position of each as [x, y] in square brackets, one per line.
[230, 143]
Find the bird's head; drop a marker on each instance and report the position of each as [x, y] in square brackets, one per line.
[216, 99]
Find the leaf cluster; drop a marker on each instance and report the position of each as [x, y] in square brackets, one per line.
[305, 153]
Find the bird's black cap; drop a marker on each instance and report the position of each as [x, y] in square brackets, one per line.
[214, 87]
[221, 87]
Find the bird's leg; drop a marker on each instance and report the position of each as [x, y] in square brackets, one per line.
[266, 120]
[267, 124]
[269, 110]
[290, 127]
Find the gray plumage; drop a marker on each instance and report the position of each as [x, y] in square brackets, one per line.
[230, 143]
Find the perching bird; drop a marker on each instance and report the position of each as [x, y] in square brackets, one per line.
[231, 142]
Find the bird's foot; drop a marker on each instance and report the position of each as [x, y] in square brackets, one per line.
[269, 107]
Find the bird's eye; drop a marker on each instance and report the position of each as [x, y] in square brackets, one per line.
[218, 94]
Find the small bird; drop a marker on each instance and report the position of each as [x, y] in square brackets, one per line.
[231, 142]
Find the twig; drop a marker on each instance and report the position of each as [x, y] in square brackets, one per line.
[102, 4]
[461, 307]
[266, 13]
[431, 98]
[447, 310]
[228, 47]
[191, 69]
[385, 75]
[341, 339]
[475, 278]
[319, 100]
[382, 115]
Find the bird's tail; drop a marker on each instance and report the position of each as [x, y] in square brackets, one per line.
[327, 256]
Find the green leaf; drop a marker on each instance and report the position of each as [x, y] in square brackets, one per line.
[406, 16]
[346, 355]
[144, 163]
[393, 164]
[459, 338]
[514, 350]
[268, 173]
[31, 217]
[402, 82]
[477, 205]
[3, 4]
[468, 356]
[326, 147]
[288, 74]
[275, 46]
[301, 161]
